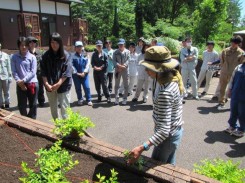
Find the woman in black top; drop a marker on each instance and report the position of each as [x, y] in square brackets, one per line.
[56, 70]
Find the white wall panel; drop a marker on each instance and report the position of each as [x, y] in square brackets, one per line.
[48, 7]
[63, 9]
[30, 5]
[10, 4]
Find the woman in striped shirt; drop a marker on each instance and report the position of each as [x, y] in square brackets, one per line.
[167, 110]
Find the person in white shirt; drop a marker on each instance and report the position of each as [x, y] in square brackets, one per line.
[5, 78]
[143, 77]
[209, 56]
[132, 65]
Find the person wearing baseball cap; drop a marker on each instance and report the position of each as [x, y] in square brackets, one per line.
[38, 53]
[121, 59]
[80, 74]
[99, 62]
[167, 101]
[110, 69]
[5, 79]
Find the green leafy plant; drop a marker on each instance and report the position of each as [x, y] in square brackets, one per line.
[90, 48]
[112, 179]
[224, 171]
[53, 164]
[73, 122]
[139, 163]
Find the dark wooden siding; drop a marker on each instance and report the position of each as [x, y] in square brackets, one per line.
[9, 32]
[64, 30]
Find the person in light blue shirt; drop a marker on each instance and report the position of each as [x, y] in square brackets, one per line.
[24, 69]
[189, 59]
[80, 74]
[110, 68]
[5, 78]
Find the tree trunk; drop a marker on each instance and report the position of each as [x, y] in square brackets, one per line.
[139, 19]
[115, 27]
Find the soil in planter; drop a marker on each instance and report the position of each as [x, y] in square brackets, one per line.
[17, 146]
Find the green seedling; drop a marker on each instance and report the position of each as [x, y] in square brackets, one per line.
[139, 163]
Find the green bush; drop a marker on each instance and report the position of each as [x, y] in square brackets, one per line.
[53, 164]
[90, 48]
[173, 45]
[73, 122]
[224, 171]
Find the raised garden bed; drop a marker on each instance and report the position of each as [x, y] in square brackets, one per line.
[17, 146]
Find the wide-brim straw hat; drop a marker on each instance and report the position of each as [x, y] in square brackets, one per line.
[158, 59]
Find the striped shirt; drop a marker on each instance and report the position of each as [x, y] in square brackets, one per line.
[167, 111]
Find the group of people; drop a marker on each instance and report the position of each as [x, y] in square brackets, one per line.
[146, 65]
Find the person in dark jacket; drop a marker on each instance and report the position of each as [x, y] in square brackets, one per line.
[236, 91]
[32, 43]
[56, 70]
[80, 74]
[99, 64]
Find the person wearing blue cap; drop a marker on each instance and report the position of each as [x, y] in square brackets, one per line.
[99, 62]
[236, 91]
[121, 59]
[80, 74]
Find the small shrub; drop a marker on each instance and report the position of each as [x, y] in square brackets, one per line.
[73, 122]
[53, 164]
[90, 48]
[172, 44]
[224, 171]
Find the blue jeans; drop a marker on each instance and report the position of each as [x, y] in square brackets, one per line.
[78, 81]
[237, 113]
[166, 151]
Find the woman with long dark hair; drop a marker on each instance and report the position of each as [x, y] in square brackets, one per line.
[56, 70]
[24, 69]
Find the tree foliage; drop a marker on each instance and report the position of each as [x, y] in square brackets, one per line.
[130, 19]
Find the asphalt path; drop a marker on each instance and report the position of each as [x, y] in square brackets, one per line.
[131, 125]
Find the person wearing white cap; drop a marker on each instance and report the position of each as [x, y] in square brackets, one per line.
[121, 59]
[80, 74]
[5, 78]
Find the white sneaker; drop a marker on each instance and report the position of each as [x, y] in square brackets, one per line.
[124, 102]
[80, 102]
[116, 101]
[90, 103]
[230, 130]
[220, 106]
[238, 133]
[144, 100]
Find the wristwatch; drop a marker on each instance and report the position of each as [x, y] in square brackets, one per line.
[146, 146]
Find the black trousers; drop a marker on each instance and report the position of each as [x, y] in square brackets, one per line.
[40, 98]
[100, 79]
[110, 79]
[23, 97]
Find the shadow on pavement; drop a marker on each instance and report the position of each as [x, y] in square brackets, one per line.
[220, 136]
[137, 107]
[238, 150]
[207, 110]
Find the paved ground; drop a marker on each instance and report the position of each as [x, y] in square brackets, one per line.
[130, 125]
